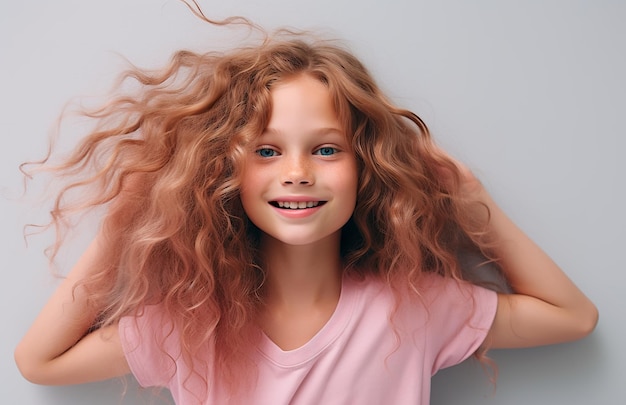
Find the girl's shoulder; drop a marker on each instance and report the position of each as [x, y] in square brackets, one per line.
[434, 301]
[429, 289]
[151, 344]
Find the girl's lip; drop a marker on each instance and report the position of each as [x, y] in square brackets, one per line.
[285, 204]
[296, 213]
[296, 199]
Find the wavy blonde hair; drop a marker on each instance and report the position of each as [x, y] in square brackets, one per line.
[166, 160]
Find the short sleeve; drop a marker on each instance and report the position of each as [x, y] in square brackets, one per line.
[460, 315]
[147, 342]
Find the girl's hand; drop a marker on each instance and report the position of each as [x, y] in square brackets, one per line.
[471, 187]
[546, 307]
[57, 350]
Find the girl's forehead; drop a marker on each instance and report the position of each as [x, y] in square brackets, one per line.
[281, 99]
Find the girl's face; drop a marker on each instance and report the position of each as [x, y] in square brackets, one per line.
[300, 179]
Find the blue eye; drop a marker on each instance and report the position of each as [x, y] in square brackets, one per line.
[326, 151]
[266, 152]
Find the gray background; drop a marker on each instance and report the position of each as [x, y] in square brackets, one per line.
[531, 95]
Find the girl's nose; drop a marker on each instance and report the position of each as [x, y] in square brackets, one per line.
[297, 171]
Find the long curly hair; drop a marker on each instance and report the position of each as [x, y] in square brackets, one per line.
[165, 159]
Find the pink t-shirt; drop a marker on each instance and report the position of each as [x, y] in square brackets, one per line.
[363, 355]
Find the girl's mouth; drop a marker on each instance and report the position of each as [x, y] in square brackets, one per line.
[296, 205]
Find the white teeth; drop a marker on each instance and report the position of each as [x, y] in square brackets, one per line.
[297, 205]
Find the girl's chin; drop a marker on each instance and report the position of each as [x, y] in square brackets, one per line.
[301, 241]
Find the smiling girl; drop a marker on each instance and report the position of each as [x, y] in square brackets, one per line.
[279, 232]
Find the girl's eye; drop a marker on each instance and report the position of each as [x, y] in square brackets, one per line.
[266, 152]
[326, 151]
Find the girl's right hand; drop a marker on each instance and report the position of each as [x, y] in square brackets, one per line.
[57, 349]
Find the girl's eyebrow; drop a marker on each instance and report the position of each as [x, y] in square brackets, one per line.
[317, 132]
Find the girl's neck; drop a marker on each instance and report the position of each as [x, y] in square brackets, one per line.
[301, 276]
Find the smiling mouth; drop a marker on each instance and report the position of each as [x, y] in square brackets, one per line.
[296, 205]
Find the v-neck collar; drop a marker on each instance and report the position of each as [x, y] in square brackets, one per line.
[333, 328]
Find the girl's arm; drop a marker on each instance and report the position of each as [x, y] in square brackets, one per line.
[57, 350]
[546, 306]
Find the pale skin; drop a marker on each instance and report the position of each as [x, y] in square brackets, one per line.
[298, 159]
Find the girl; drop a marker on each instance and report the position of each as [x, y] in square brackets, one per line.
[277, 231]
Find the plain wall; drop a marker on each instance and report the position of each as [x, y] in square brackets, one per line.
[531, 95]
